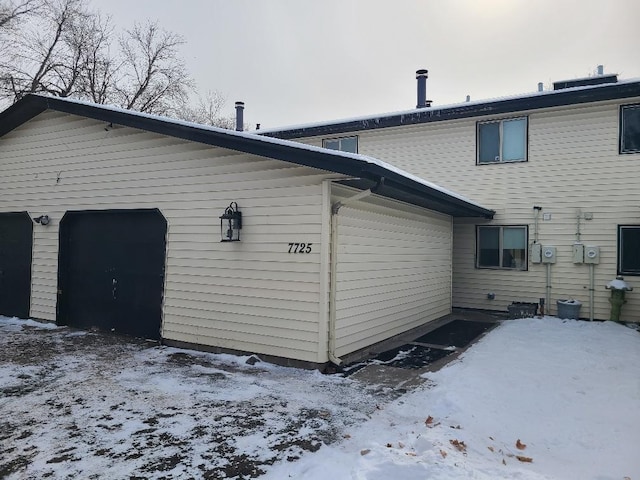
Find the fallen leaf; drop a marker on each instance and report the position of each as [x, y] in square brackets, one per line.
[503, 462]
[460, 445]
[520, 445]
[490, 438]
[457, 427]
[429, 421]
[491, 449]
[524, 459]
[443, 453]
[400, 445]
[365, 451]
[389, 445]
[346, 435]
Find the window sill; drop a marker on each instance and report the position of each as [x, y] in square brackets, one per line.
[502, 162]
[504, 269]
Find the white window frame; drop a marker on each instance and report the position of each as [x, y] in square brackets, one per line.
[525, 264]
[621, 144]
[499, 159]
[340, 140]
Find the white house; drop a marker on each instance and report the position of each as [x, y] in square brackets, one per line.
[559, 167]
[112, 218]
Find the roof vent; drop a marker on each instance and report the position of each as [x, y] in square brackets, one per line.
[239, 116]
[421, 76]
[598, 79]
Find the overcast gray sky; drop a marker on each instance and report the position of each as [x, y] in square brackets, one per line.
[300, 61]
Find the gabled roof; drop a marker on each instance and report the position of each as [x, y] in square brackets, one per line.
[498, 106]
[365, 171]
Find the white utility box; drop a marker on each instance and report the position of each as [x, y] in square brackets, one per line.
[578, 253]
[536, 253]
[548, 254]
[591, 254]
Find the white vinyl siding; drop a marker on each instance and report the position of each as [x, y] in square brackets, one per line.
[573, 165]
[393, 272]
[250, 295]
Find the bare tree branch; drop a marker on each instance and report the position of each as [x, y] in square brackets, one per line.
[152, 75]
[12, 10]
[207, 111]
[62, 48]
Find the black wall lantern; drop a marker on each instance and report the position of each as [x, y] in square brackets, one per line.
[231, 223]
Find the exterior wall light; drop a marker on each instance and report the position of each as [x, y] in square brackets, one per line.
[42, 220]
[231, 223]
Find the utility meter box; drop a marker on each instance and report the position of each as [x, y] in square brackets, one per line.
[578, 253]
[591, 254]
[536, 253]
[548, 254]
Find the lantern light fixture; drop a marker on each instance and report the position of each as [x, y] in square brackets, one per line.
[231, 223]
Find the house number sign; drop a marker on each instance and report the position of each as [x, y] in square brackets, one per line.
[300, 247]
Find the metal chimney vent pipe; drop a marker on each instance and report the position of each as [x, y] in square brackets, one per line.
[421, 76]
[540, 86]
[600, 69]
[239, 116]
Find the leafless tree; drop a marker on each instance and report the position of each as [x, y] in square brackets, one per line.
[46, 54]
[207, 111]
[152, 77]
[62, 48]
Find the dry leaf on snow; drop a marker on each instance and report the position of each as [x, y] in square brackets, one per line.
[365, 451]
[429, 421]
[443, 453]
[491, 449]
[524, 459]
[520, 445]
[459, 444]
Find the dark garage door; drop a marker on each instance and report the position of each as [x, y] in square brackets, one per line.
[16, 243]
[111, 271]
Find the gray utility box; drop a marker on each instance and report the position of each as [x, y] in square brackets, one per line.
[569, 309]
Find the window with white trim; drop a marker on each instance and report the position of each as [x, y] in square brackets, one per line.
[501, 247]
[344, 144]
[630, 129]
[629, 249]
[502, 141]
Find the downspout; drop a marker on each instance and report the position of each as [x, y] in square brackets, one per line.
[335, 208]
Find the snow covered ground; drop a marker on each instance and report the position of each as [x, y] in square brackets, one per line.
[534, 399]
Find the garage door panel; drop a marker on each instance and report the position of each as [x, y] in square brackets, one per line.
[112, 270]
[16, 246]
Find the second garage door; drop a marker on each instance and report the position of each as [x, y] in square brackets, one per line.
[16, 241]
[111, 271]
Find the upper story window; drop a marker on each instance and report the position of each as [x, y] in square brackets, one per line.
[501, 247]
[630, 129]
[502, 141]
[629, 249]
[344, 144]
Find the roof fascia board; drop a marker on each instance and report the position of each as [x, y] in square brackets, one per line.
[32, 105]
[496, 107]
